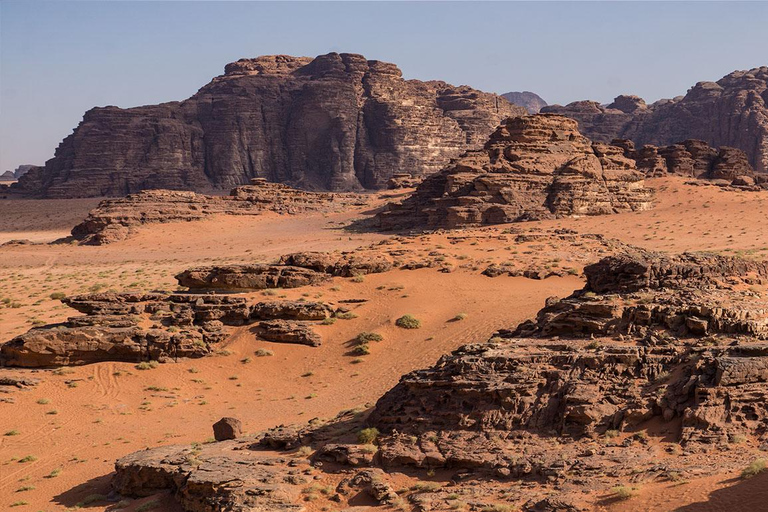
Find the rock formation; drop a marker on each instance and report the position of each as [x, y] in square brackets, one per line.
[117, 219]
[731, 112]
[531, 168]
[531, 101]
[658, 353]
[696, 159]
[336, 122]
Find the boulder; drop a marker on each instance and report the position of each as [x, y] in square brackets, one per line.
[227, 428]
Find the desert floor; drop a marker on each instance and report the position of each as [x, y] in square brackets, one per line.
[69, 430]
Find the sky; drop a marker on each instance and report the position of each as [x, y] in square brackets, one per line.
[60, 58]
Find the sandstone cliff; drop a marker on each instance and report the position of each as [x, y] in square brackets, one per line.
[532, 168]
[730, 112]
[336, 122]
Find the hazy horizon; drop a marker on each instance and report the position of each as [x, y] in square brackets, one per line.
[59, 59]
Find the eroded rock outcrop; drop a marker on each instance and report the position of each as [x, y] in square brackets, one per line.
[731, 112]
[336, 122]
[531, 168]
[135, 327]
[117, 219]
[618, 383]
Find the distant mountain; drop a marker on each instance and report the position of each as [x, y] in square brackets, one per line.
[7, 176]
[22, 170]
[531, 101]
[732, 112]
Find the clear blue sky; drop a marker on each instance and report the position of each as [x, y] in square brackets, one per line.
[60, 58]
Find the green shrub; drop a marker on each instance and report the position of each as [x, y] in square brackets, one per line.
[408, 322]
[367, 337]
[623, 492]
[147, 365]
[367, 435]
[57, 295]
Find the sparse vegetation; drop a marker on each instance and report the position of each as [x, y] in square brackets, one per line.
[367, 337]
[368, 435]
[262, 352]
[755, 468]
[460, 317]
[408, 322]
[147, 365]
[623, 492]
[346, 315]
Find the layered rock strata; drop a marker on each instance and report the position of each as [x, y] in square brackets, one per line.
[335, 122]
[531, 168]
[731, 112]
[656, 371]
[116, 219]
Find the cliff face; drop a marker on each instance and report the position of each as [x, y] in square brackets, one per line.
[336, 122]
[730, 112]
[532, 168]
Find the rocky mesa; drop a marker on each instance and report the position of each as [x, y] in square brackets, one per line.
[532, 167]
[335, 122]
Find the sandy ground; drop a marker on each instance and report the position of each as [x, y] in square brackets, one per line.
[73, 426]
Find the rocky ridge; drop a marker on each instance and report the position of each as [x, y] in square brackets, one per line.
[117, 219]
[695, 159]
[335, 122]
[532, 168]
[654, 372]
[731, 112]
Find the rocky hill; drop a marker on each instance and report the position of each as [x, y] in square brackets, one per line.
[531, 101]
[531, 168]
[730, 112]
[336, 122]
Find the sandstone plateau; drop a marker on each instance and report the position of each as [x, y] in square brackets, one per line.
[532, 168]
[335, 122]
[731, 112]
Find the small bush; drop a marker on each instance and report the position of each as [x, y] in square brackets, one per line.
[329, 321]
[367, 435]
[28, 458]
[358, 279]
[147, 365]
[361, 350]
[623, 492]
[346, 315]
[367, 337]
[57, 295]
[755, 468]
[408, 322]
[459, 317]
[262, 352]
[12, 433]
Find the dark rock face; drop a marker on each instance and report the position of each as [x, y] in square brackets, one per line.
[532, 168]
[336, 122]
[531, 101]
[731, 112]
[227, 428]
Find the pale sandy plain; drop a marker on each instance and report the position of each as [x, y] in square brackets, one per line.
[76, 422]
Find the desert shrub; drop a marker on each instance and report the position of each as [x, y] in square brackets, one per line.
[147, 365]
[367, 337]
[262, 352]
[328, 321]
[459, 317]
[408, 322]
[346, 315]
[361, 350]
[57, 295]
[755, 468]
[367, 435]
[623, 492]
